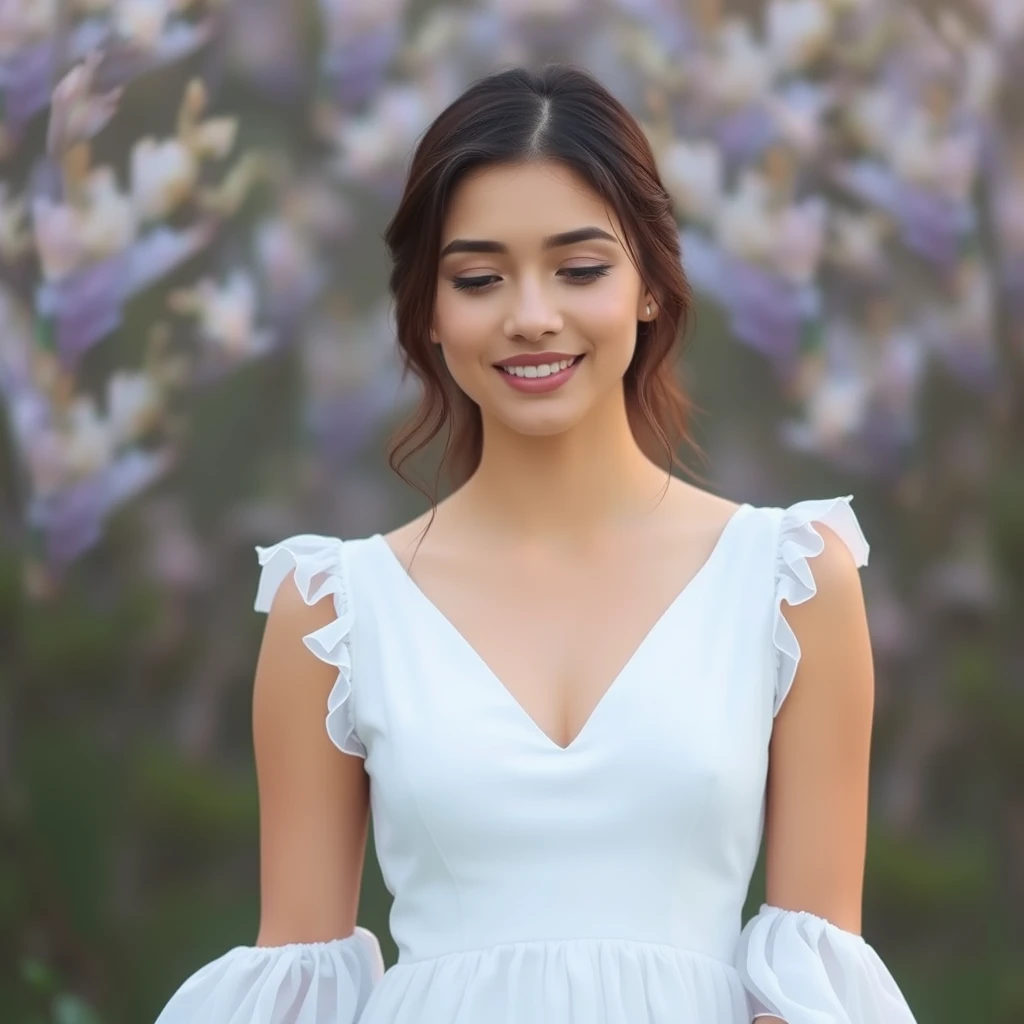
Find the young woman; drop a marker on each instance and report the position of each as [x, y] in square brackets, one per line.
[577, 693]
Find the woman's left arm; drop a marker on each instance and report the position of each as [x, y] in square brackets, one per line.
[802, 957]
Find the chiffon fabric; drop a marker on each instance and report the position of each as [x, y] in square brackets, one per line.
[598, 883]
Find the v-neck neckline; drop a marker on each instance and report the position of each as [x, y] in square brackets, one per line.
[420, 595]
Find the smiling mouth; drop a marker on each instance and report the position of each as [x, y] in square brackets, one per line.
[541, 370]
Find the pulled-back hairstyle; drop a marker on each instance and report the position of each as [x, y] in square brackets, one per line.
[560, 113]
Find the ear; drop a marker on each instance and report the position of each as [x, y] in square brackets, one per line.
[648, 308]
[433, 336]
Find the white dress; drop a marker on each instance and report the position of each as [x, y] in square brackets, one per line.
[601, 883]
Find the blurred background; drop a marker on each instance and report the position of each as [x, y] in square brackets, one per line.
[197, 356]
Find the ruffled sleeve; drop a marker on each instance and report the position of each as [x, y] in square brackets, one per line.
[320, 569]
[302, 983]
[806, 970]
[799, 541]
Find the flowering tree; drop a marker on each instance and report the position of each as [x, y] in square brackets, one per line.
[194, 326]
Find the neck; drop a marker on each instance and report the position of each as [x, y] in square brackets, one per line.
[567, 484]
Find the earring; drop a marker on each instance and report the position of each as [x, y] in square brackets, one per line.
[648, 309]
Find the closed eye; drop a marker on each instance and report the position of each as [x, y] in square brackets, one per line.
[573, 275]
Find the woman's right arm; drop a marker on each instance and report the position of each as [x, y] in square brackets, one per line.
[310, 962]
[313, 798]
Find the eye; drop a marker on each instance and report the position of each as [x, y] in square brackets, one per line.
[584, 275]
[473, 284]
[574, 275]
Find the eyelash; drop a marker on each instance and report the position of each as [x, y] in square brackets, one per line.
[574, 275]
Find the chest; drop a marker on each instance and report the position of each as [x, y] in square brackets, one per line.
[678, 736]
[558, 631]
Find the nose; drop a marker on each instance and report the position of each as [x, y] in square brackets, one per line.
[533, 315]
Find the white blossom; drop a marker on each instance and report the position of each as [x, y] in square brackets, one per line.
[108, 222]
[142, 22]
[692, 173]
[226, 314]
[77, 112]
[58, 234]
[856, 241]
[370, 143]
[134, 404]
[164, 174]
[740, 69]
[745, 226]
[798, 31]
[837, 406]
[89, 442]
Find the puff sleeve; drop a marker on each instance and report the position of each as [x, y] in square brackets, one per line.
[301, 983]
[806, 970]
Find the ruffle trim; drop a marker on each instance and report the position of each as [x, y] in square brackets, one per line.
[794, 581]
[320, 568]
[316, 982]
[806, 970]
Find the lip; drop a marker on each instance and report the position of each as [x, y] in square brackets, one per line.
[536, 358]
[540, 385]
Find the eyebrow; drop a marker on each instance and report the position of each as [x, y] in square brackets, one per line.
[586, 234]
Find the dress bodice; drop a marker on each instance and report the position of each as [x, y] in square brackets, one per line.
[646, 827]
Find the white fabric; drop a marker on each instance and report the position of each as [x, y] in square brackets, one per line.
[319, 569]
[304, 983]
[798, 542]
[804, 969]
[600, 883]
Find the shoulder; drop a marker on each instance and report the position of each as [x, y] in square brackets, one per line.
[315, 613]
[689, 514]
[838, 603]
[819, 611]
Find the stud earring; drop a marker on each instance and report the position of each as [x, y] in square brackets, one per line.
[648, 309]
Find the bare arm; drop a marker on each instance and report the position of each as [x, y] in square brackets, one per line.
[816, 817]
[313, 799]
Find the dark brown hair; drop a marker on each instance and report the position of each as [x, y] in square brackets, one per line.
[560, 113]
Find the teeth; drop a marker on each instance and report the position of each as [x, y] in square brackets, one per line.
[545, 370]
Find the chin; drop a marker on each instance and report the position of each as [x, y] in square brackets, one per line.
[541, 426]
[531, 420]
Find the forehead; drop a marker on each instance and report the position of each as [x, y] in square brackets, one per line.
[524, 203]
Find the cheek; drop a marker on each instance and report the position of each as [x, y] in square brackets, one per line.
[463, 324]
[607, 316]
[614, 310]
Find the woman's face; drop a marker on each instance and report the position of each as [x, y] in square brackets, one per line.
[537, 300]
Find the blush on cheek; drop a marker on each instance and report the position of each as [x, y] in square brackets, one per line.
[607, 305]
[463, 331]
[608, 320]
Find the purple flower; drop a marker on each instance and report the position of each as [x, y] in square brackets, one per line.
[932, 225]
[86, 305]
